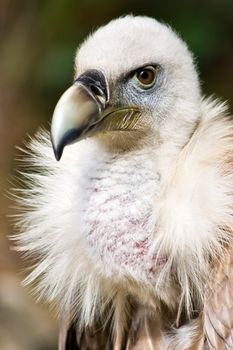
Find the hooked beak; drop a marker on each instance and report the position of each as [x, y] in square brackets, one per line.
[78, 109]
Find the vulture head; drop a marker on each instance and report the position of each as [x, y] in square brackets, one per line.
[135, 84]
[133, 218]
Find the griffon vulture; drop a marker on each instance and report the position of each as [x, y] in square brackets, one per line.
[132, 229]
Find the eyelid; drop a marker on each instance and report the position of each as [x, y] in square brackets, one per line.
[146, 67]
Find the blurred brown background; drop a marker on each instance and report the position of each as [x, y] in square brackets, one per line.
[38, 40]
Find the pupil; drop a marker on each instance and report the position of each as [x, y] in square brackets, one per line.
[145, 75]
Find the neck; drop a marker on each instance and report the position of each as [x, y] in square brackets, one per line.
[189, 204]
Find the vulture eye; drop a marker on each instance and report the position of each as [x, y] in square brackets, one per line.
[146, 77]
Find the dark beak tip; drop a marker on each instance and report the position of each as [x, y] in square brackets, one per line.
[68, 138]
[57, 155]
[57, 151]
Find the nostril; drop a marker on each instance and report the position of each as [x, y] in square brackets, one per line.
[96, 90]
[99, 94]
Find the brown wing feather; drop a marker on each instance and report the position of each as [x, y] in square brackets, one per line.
[67, 336]
[92, 338]
[218, 309]
[144, 333]
[142, 336]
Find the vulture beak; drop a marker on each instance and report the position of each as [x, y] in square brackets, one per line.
[78, 110]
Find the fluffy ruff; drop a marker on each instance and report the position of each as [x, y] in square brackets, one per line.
[193, 221]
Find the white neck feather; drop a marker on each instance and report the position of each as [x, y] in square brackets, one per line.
[189, 201]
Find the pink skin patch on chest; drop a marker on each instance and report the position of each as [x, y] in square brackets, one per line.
[119, 233]
[119, 198]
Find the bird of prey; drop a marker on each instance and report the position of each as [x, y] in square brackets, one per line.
[130, 227]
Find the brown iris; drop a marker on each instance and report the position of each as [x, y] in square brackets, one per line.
[146, 76]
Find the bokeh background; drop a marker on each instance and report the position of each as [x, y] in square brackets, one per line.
[38, 40]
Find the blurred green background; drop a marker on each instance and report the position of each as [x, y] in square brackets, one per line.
[38, 40]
